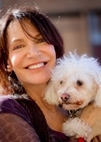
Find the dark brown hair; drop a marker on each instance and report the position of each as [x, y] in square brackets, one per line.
[42, 24]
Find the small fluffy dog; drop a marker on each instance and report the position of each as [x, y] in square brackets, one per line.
[75, 82]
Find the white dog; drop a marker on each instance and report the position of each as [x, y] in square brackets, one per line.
[75, 82]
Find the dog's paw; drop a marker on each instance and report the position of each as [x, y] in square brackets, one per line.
[76, 127]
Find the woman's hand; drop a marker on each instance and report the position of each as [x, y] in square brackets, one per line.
[92, 116]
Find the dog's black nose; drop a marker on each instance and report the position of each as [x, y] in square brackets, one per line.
[65, 97]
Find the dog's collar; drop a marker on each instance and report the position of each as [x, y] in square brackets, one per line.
[73, 113]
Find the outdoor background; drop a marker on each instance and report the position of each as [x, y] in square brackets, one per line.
[78, 21]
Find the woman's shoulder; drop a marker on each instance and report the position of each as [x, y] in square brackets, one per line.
[8, 104]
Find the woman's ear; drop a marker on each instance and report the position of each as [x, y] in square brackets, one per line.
[9, 66]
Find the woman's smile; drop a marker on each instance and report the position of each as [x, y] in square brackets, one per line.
[36, 66]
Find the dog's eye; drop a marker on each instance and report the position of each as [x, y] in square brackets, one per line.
[79, 83]
[61, 82]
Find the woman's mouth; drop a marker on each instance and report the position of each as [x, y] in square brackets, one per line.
[36, 66]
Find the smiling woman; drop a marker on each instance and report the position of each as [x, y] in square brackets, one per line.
[29, 47]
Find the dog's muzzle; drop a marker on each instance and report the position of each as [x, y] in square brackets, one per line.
[65, 97]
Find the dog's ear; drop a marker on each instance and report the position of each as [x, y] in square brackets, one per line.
[50, 95]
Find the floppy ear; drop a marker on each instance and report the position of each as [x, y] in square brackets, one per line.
[50, 95]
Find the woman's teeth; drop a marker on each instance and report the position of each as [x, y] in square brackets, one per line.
[36, 66]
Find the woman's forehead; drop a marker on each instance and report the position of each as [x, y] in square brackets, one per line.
[16, 30]
[25, 24]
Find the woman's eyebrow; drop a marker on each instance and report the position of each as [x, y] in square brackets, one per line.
[20, 40]
[37, 35]
[16, 40]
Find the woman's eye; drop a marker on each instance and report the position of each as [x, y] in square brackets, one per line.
[40, 40]
[18, 47]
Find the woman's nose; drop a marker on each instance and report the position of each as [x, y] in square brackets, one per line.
[33, 52]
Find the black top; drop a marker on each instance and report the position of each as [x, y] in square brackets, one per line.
[22, 120]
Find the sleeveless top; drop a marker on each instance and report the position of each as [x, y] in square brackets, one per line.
[29, 111]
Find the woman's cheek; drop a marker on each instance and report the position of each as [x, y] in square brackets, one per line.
[14, 60]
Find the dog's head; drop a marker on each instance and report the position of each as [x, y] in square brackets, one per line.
[76, 81]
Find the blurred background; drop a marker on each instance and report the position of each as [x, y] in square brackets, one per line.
[78, 21]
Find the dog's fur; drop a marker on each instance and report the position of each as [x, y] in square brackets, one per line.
[75, 82]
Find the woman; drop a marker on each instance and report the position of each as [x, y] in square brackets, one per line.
[30, 45]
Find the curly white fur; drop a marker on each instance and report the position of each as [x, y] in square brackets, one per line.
[76, 81]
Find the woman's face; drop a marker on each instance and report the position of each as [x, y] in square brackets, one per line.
[31, 60]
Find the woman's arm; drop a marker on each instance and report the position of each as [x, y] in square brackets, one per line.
[92, 116]
[96, 139]
[13, 129]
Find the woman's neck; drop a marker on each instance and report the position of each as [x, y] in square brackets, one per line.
[36, 93]
[51, 112]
